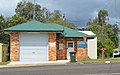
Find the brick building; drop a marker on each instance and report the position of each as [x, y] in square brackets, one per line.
[36, 41]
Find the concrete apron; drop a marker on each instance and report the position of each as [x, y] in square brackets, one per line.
[26, 63]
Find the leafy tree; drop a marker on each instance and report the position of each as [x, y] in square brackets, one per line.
[5, 23]
[4, 38]
[2, 22]
[14, 20]
[56, 17]
[107, 33]
[26, 9]
[102, 17]
[99, 45]
[114, 35]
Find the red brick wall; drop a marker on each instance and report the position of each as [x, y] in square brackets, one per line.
[80, 51]
[61, 53]
[52, 46]
[14, 46]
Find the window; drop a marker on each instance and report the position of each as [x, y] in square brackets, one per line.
[70, 44]
[60, 46]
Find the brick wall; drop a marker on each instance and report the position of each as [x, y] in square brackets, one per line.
[80, 51]
[54, 53]
[14, 46]
[52, 46]
[61, 53]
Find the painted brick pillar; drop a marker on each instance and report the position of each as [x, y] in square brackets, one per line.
[14, 46]
[52, 46]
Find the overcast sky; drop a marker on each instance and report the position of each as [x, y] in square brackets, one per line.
[76, 11]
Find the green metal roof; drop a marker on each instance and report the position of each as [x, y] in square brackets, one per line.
[74, 33]
[35, 26]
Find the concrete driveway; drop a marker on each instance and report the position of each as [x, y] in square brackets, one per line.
[65, 69]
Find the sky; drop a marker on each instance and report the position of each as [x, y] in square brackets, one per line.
[76, 11]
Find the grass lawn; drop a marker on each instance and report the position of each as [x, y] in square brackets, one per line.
[4, 63]
[98, 60]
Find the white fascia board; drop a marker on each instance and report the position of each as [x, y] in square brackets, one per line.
[87, 32]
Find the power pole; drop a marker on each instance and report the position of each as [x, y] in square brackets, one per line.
[64, 19]
[34, 11]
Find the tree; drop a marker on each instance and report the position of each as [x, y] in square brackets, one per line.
[114, 36]
[2, 22]
[107, 33]
[11, 21]
[4, 38]
[56, 17]
[14, 20]
[102, 17]
[26, 9]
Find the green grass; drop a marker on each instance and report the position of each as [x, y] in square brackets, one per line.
[4, 63]
[98, 60]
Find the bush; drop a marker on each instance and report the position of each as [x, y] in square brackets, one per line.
[109, 52]
[107, 44]
[99, 45]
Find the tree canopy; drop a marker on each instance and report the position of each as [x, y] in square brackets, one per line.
[4, 38]
[102, 17]
[107, 33]
[25, 9]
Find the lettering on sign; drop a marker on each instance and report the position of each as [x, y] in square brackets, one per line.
[81, 44]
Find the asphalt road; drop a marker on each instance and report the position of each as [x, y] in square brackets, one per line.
[68, 69]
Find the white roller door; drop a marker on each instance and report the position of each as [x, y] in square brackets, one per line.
[33, 47]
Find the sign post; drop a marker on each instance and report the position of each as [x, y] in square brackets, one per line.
[85, 41]
[103, 55]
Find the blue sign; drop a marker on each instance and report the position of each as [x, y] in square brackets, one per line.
[82, 45]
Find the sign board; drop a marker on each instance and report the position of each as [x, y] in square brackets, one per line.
[61, 46]
[85, 39]
[103, 55]
[81, 45]
[103, 48]
[52, 44]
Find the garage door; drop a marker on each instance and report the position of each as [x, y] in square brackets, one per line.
[33, 47]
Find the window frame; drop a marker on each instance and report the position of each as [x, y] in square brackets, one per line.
[68, 43]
